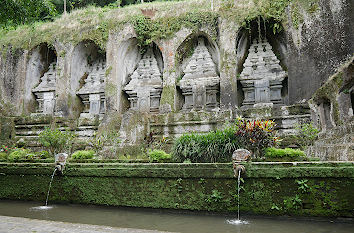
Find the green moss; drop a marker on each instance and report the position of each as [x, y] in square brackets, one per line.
[149, 30]
[329, 91]
[296, 16]
[108, 71]
[96, 24]
[7, 130]
[168, 96]
[111, 89]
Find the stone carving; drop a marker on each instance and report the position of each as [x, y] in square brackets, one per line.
[200, 83]
[240, 155]
[92, 92]
[45, 91]
[145, 86]
[262, 76]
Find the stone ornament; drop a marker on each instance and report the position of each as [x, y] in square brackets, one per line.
[92, 92]
[145, 86]
[262, 76]
[45, 91]
[200, 83]
[241, 155]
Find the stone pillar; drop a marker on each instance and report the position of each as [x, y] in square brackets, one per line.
[228, 83]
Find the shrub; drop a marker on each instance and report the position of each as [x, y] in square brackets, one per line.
[55, 140]
[3, 155]
[43, 154]
[216, 146]
[18, 154]
[307, 134]
[159, 156]
[284, 153]
[256, 135]
[83, 154]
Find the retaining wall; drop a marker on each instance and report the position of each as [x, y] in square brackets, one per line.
[302, 188]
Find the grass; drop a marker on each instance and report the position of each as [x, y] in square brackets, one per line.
[95, 23]
[92, 23]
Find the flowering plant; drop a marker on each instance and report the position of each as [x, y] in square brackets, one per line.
[7, 149]
[256, 135]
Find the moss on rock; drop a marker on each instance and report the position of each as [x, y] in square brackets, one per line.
[306, 189]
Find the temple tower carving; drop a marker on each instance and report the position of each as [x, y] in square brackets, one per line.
[45, 91]
[92, 92]
[145, 86]
[200, 83]
[262, 76]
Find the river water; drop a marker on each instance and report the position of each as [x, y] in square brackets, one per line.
[172, 221]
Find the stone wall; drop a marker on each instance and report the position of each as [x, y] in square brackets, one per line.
[300, 189]
[318, 46]
[332, 111]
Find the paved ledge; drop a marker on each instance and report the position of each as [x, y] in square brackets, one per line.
[25, 225]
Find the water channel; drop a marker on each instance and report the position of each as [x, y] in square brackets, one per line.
[169, 220]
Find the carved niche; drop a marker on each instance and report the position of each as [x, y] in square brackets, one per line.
[92, 92]
[45, 91]
[145, 87]
[200, 83]
[262, 76]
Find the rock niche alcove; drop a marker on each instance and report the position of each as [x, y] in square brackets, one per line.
[144, 85]
[41, 80]
[262, 78]
[199, 82]
[88, 68]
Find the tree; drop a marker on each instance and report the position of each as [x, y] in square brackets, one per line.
[15, 12]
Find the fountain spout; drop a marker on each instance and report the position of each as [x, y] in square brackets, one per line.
[240, 155]
[60, 160]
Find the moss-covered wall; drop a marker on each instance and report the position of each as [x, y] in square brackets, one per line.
[7, 130]
[307, 189]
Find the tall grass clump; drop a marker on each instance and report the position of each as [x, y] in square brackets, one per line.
[215, 146]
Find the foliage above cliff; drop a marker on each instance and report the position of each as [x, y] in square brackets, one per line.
[166, 18]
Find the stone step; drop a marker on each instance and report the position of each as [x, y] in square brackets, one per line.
[20, 126]
[28, 133]
[91, 127]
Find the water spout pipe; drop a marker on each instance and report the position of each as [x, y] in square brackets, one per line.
[60, 160]
[240, 155]
[238, 169]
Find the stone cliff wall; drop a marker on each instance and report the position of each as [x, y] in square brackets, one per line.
[311, 39]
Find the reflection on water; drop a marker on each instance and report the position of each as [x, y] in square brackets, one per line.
[43, 207]
[236, 222]
[168, 220]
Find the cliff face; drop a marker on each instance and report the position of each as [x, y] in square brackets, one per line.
[317, 37]
[319, 46]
